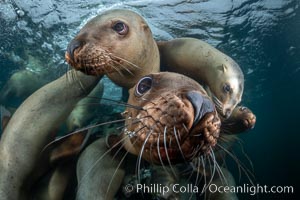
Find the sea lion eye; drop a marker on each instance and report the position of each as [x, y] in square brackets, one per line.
[227, 88]
[121, 28]
[143, 86]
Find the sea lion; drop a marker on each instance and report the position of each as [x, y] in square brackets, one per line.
[117, 43]
[31, 128]
[172, 119]
[221, 75]
[20, 86]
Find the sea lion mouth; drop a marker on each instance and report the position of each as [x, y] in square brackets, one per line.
[174, 128]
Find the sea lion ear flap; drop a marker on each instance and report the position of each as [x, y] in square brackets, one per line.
[222, 68]
[145, 26]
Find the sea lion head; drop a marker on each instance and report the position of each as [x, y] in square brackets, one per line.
[117, 43]
[171, 119]
[227, 88]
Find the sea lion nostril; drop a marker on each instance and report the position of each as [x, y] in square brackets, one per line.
[201, 105]
[74, 44]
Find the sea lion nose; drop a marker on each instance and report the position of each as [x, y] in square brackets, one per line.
[74, 44]
[201, 105]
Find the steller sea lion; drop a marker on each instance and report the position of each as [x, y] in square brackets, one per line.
[32, 127]
[117, 43]
[221, 75]
[173, 119]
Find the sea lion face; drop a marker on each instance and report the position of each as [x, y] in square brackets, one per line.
[173, 120]
[117, 43]
[227, 90]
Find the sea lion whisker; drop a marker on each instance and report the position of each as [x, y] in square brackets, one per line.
[216, 100]
[72, 75]
[140, 156]
[124, 67]
[170, 142]
[133, 133]
[209, 163]
[118, 70]
[226, 139]
[130, 63]
[79, 81]
[245, 154]
[117, 101]
[158, 152]
[233, 157]
[218, 168]
[166, 150]
[245, 169]
[240, 165]
[135, 121]
[197, 135]
[226, 131]
[98, 160]
[197, 177]
[119, 165]
[68, 68]
[185, 128]
[212, 156]
[100, 124]
[194, 152]
[218, 103]
[178, 144]
[204, 175]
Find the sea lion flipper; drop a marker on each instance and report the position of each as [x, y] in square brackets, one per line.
[66, 147]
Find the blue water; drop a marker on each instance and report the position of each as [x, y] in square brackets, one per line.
[263, 36]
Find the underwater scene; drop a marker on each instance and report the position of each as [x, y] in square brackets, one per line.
[139, 99]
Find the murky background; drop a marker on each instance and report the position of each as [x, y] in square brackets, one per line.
[263, 36]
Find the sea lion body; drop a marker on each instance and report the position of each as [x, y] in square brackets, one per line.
[32, 127]
[117, 43]
[220, 74]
